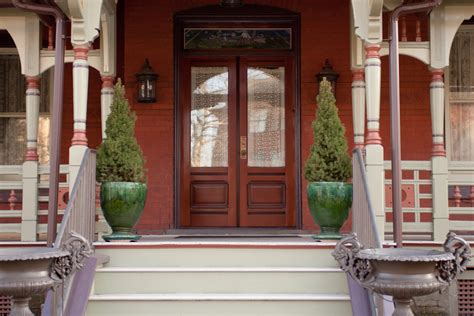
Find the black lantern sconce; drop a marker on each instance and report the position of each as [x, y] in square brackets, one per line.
[330, 75]
[146, 79]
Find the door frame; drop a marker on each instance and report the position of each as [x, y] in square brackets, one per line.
[248, 16]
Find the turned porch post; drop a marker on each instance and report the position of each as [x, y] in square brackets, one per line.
[358, 106]
[439, 162]
[80, 74]
[29, 214]
[373, 142]
[106, 97]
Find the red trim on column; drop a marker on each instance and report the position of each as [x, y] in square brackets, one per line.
[373, 137]
[79, 137]
[438, 150]
[358, 74]
[32, 82]
[108, 81]
[31, 154]
[81, 52]
[437, 75]
[372, 51]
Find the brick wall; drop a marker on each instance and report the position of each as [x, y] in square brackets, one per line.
[148, 32]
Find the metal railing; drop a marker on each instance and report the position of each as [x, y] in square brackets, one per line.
[79, 215]
[363, 216]
[79, 218]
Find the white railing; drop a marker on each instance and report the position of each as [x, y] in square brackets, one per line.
[416, 199]
[12, 199]
[461, 196]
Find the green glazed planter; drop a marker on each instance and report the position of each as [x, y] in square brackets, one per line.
[122, 204]
[329, 204]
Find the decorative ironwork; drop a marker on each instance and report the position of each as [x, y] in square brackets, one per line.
[79, 249]
[242, 38]
[403, 273]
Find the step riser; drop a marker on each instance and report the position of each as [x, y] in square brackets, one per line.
[259, 308]
[205, 257]
[219, 282]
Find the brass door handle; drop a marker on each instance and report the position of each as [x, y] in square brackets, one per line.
[243, 147]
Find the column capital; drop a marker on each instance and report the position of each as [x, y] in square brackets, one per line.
[372, 51]
[437, 75]
[358, 74]
[81, 51]
[32, 82]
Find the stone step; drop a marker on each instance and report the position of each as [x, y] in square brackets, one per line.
[122, 280]
[219, 304]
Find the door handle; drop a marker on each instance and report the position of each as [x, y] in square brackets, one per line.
[243, 147]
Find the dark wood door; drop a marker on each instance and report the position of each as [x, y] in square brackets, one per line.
[237, 143]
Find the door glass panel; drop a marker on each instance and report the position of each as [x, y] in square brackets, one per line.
[209, 116]
[266, 117]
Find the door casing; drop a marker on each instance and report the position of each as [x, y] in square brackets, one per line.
[248, 16]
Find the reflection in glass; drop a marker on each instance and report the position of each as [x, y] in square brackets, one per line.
[266, 117]
[209, 116]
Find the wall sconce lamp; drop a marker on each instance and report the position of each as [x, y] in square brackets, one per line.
[146, 80]
[330, 75]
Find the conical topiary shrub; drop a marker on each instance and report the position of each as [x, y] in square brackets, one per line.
[119, 157]
[120, 170]
[327, 167]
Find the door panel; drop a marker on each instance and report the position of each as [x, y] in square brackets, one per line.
[208, 184]
[238, 143]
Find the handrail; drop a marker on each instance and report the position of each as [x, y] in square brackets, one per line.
[362, 208]
[78, 220]
[82, 197]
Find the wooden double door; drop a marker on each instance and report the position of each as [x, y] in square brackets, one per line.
[237, 143]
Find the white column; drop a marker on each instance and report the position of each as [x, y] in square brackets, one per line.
[80, 75]
[373, 147]
[358, 106]
[106, 97]
[439, 162]
[29, 213]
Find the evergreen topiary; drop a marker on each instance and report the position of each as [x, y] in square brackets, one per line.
[119, 157]
[328, 160]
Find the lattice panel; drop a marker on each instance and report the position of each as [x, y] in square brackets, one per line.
[5, 304]
[466, 297]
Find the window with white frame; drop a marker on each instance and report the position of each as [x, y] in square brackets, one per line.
[461, 95]
[13, 112]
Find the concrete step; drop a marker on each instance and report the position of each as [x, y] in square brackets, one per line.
[219, 255]
[121, 280]
[219, 304]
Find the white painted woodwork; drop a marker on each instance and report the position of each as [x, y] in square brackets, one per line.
[32, 116]
[372, 90]
[417, 50]
[437, 111]
[106, 98]
[207, 278]
[375, 178]
[108, 43]
[94, 59]
[24, 28]
[444, 23]
[29, 215]
[358, 107]
[368, 19]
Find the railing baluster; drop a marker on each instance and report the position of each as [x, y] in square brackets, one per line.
[471, 195]
[12, 200]
[457, 196]
[418, 29]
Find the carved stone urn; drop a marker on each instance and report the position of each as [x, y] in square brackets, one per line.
[403, 273]
[28, 271]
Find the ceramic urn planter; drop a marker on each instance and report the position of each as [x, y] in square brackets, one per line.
[329, 204]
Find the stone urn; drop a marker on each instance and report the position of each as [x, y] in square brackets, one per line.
[403, 273]
[28, 271]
